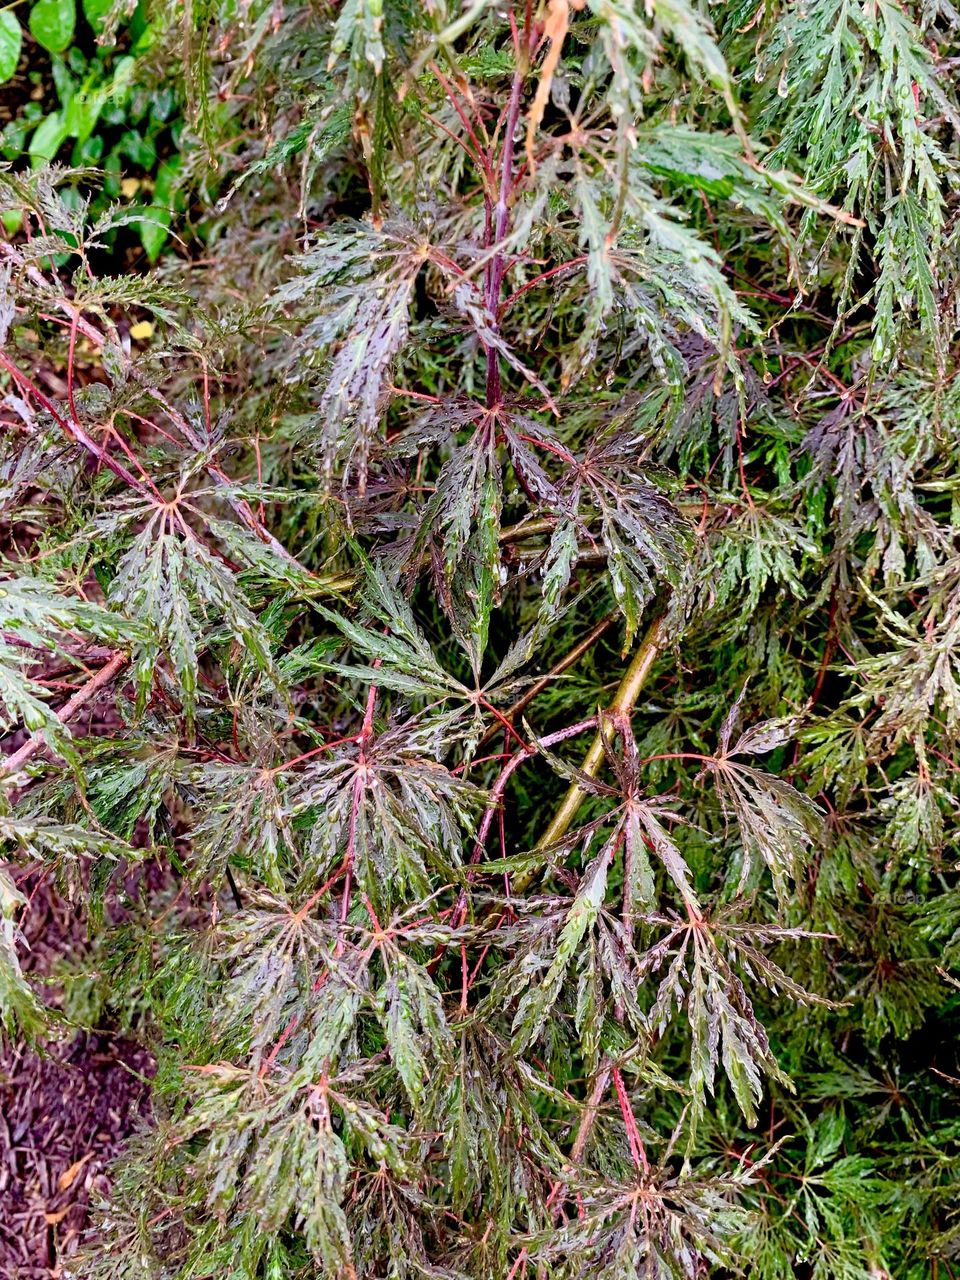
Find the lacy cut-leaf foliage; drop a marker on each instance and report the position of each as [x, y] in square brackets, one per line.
[480, 642]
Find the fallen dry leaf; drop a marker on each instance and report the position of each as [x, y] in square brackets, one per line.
[554, 30]
[68, 1176]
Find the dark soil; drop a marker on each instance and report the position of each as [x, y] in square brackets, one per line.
[64, 1116]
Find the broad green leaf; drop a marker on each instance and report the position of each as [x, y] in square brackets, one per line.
[11, 39]
[52, 23]
[158, 216]
[48, 137]
[96, 11]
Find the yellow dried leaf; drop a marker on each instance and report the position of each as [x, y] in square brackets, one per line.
[68, 1176]
[554, 29]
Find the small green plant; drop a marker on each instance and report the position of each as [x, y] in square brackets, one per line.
[88, 104]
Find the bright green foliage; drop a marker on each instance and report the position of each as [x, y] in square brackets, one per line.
[526, 547]
[89, 95]
[11, 42]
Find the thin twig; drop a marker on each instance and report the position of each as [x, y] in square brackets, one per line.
[622, 704]
[590, 1112]
[67, 712]
[569, 658]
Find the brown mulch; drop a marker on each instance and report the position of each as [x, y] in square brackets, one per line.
[64, 1116]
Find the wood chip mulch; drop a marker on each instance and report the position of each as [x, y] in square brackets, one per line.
[64, 1116]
